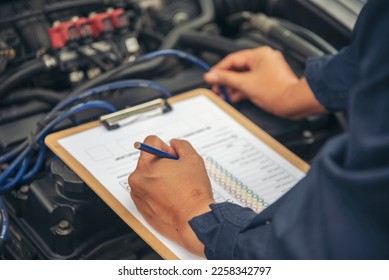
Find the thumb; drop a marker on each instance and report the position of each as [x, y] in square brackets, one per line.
[182, 147]
[227, 78]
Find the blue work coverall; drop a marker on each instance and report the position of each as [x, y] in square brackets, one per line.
[340, 210]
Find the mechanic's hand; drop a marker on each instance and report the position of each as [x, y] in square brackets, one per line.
[168, 193]
[264, 77]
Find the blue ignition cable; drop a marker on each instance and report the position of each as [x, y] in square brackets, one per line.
[108, 87]
[38, 163]
[90, 92]
[185, 56]
[12, 154]
[22, 159]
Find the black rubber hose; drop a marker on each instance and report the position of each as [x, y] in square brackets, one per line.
[207, 42]
[225, 8]
[29, 94]
[275, 30]
[23, 73]
[310, 36]
[150, 34]
[66, 5]
[21, 111]
[207, 16]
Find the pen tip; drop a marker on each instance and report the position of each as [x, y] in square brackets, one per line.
[137, 145]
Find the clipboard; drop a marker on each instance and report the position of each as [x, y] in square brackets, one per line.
[52, 141]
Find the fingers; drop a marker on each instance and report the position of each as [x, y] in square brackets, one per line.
[227, 78]
[235, 61]
[182, 147]
[145, 165]
[236, 96]
[156, 142]
[226, 72]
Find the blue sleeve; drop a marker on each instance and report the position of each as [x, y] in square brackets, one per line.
[332, 77]
[223, 223]
[340, 210]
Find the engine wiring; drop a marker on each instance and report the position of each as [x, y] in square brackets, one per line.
[36, 142]
[22, 152]
[185, 56]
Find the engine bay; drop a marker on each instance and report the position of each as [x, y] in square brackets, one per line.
[62, 62]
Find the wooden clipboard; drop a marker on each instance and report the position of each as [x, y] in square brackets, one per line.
[52, 141]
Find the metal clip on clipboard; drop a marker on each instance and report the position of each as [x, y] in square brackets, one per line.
[134, 113]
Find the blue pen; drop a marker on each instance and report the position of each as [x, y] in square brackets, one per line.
[153, 151]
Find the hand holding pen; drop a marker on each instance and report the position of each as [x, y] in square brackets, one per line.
[169, 193]
[154, 151]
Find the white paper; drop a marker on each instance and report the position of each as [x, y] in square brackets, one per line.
[241, 167]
